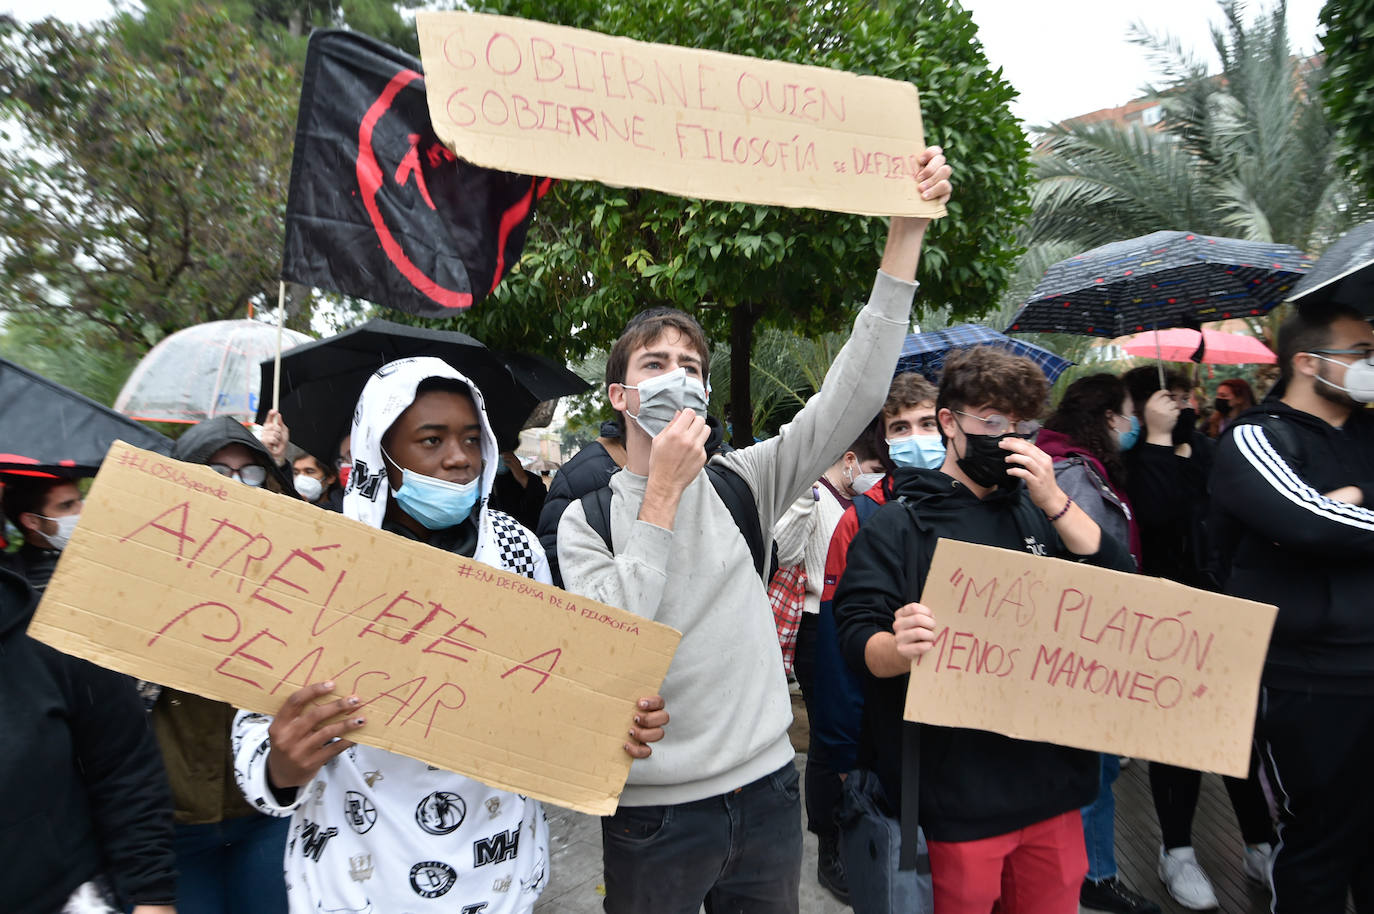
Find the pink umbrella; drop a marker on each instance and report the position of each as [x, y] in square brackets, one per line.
[1180, 345]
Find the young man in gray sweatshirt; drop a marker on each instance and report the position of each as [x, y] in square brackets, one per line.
[714, 812]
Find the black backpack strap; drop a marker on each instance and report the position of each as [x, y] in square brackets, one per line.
[732, 490]
[596, 505]
[739, 499]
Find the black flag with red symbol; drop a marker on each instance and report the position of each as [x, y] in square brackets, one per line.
[378, 207]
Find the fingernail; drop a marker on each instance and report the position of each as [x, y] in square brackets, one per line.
[630, 733]
[353, 700]
[360, 721]
[644, 703]
[329, 686]
[638, 722]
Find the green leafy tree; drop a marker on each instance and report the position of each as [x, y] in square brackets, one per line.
[283, 26]
[147, 194]
[596, 255]
[1348, 83]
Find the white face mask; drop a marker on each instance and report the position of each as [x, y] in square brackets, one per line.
[1359, 379]
[308, 487]
[65, 525]
[865, 481]
[661, 397]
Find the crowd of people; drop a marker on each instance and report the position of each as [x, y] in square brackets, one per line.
[124, 795]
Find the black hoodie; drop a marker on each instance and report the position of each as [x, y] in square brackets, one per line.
[1290, 546]
[82, 791]
[204, 438]
[974, 784]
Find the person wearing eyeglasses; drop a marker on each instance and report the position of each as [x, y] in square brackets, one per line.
[1000, 815]
[1293, 491]
[228, 855]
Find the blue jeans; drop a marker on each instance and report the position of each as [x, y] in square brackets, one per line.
[739, 852]
[1099, 823]
[232, 867]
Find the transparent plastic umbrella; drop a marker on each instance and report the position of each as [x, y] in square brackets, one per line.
[204, 371]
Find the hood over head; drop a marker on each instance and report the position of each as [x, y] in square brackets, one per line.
[204, 438]
[388, 393]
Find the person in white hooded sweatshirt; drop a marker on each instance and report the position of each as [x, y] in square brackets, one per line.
[373, 831]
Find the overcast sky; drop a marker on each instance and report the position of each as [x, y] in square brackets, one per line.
[1069, 57]
[1066, 57]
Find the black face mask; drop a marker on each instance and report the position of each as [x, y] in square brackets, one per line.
[1222, 406]
[985, 462]
[1183, 428]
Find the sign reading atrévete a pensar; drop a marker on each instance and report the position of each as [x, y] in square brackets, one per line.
[179, 576]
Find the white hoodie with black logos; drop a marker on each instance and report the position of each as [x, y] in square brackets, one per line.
[379, 833]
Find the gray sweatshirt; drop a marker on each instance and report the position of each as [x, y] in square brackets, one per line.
[725, 690]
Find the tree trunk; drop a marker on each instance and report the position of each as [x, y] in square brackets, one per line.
[743, 317]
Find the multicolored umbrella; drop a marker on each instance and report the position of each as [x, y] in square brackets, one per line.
[1161, 280]
[1344, 275]
[203, 371]
[925, 352]
[1217, 348]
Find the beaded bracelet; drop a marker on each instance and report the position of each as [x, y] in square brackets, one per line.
[1068, 503]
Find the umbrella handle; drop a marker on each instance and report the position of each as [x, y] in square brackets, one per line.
[281, 323]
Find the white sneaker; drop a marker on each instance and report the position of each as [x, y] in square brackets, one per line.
[1181, 874]
[1255, 863]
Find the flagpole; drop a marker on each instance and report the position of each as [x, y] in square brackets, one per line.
[281, 324]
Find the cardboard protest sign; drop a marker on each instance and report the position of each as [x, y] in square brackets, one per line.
[536, 98]
[179, 576]
[1044, 649]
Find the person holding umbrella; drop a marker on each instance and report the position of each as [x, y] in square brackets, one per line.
[424, 460]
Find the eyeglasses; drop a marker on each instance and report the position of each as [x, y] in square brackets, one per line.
[1366, 355]
[250, 475]
[997, 425]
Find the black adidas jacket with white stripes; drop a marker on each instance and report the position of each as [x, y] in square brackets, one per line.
[1311, 556]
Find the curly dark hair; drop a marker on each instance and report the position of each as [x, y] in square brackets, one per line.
[1082, 415]
[987, 376]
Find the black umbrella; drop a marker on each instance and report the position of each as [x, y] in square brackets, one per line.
[45, 427]
[321, 381]
[1344, 275]
[1165, 279]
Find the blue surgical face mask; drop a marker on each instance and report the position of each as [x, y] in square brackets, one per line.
[1128, 439]
[925, 451]
[435, 503]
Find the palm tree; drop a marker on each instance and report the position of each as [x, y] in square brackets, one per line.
[1248, 153]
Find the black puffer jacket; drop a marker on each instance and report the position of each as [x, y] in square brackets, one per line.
[82, 782]
[974, 784]
[1291, 546]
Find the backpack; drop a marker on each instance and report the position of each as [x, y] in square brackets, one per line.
[729, 486]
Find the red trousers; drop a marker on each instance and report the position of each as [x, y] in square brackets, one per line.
[1036, 870]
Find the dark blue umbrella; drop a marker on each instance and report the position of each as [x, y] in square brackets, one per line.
[1161, 280]
[925, 352]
